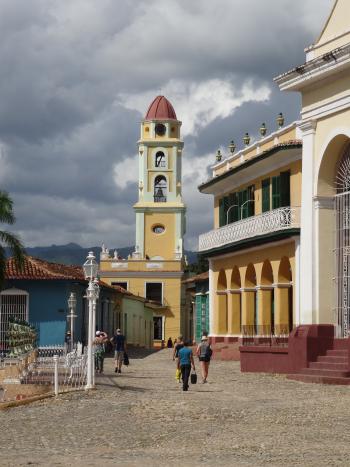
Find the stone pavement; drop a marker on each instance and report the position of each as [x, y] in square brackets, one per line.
[142, 418]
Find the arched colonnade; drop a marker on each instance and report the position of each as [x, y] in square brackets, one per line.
[255, 300]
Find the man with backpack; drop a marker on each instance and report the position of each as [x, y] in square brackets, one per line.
[204, 352]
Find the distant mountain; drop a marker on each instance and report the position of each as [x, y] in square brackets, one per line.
[75, 254]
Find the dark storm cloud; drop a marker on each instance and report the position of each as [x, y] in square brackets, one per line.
[69, 70]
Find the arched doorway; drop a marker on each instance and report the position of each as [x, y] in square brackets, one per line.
[221, 292]
[331, 288]
[342, 240]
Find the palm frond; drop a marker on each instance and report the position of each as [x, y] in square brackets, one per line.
[6, 208]
[15, 245]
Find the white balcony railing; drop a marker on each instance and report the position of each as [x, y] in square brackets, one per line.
[268, 222]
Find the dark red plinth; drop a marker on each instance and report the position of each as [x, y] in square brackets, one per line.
[305, 344]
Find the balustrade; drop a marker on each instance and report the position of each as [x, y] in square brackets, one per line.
[262, 224]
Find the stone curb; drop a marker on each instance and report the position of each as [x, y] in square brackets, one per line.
[29, 400]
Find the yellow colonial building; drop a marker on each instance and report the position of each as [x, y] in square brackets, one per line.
[279, 253]
[253, 250]
[155, 268]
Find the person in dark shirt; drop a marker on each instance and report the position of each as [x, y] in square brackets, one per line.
[170, 343]
[185, 363]
[119, 342]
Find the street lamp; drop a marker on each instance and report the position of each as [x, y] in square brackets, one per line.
[229, 209]
[72, 303]
[95, 284]
[90, 268]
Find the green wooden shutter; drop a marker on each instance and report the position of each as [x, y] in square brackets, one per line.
[265, 195]
[251, 205]
[207, 312]
[226, 206]
[235, 211]
[243, 197]
[276, 193]
[222, 220]
[198, 318]
[231, 203]
[285, 188]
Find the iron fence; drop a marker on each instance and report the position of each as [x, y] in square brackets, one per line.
[48, 369]
[276, 335]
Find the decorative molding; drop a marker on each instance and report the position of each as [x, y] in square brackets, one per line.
[308, 127]
[154, 265]
[233, 291]
[329, 108]
[282, 285]
[132, 274]
[119, 265]
[264, 287]
[221, 292]
[248, 250]
[248, 289]
[323, 202]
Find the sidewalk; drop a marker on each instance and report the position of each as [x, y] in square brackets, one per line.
[141, 417]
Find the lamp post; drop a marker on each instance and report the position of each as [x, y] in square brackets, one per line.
[72, 303]
[90, 268]
[229, 209]
[95, 298]
[242, 206]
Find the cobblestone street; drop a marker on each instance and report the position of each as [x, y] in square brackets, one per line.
[141, 417]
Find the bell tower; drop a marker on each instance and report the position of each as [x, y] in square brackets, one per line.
[160, 212]
[155, 269]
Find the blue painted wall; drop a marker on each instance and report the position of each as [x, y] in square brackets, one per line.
[48, 307]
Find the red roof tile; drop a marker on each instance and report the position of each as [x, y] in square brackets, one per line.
[160, 109]
[198, 278]
[35, 268]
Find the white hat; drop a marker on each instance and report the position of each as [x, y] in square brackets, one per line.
[98, 333]
[204, 338]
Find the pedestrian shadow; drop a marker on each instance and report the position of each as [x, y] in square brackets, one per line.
[112, 383]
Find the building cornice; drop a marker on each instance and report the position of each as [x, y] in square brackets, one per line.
[314, 70]
[294, 144]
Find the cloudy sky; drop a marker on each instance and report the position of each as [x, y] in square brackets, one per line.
[77, 76]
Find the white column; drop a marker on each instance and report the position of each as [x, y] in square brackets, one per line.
[307, 276]
[296, 281]
[211, 297]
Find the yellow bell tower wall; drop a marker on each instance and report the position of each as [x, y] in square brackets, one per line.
[164, 242]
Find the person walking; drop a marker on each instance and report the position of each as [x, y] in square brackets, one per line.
[204, 353]
[119, 342]
[177, 346]
[185, 362]
[99, 344]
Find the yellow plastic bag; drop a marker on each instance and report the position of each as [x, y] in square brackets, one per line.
[178, 374]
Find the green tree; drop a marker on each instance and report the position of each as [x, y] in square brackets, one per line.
[8, 239]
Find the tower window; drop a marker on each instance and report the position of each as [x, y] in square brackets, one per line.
[160, 189]
[160, 129]
[158, 228]
[154, 291]
[160, 159]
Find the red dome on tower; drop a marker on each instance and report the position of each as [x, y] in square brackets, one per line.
[160, 109]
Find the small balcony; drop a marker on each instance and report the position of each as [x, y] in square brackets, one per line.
[269, 222]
